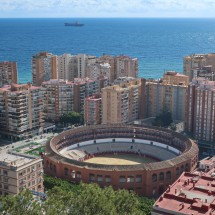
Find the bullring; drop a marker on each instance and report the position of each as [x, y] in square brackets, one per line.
[167, 155]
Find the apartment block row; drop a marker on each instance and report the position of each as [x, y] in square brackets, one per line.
[61, 96]
[46, 66]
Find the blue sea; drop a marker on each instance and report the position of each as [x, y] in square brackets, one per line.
[159, 44]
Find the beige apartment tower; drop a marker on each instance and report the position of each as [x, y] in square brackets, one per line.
[21, 109]
[44, 68]
[122, 103]
[169, 93]
[8, 73]
[19, 172]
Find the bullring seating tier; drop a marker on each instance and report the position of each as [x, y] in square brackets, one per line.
[122, 147]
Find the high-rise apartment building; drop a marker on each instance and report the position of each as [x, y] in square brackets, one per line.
[21, 113]
[126, 66]
[197, 65]
[44, 67]
[200, 120]
[57, 98]
[93, 110]
[84, 88]
[67, 67]
[83, 60]
[120, 66]
[97, 70]
[8, 73]
[122, 103]
[169, 93]
[19, 172]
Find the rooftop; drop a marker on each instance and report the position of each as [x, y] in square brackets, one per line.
[190, 194]
[14, 160]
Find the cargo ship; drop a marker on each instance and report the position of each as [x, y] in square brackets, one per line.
[75, 24]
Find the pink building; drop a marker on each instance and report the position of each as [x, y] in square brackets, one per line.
[200, 120]
[92, 110]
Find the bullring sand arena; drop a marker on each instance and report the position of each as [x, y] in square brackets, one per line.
[144, 159]
[120, 159]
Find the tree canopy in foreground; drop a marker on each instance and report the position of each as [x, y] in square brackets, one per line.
[65, 198]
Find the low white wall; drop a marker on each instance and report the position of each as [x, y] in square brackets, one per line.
[125, 140]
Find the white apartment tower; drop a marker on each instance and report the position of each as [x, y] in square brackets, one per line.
[67, 67]
[83, 61]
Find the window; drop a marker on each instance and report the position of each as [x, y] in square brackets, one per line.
[177, 171]
[138, 178]
[186, 167]
[107, 179]
[33, 168]
[168, 175]
[122, 179]
[182, 168]
[6, 187]
[99, 178]
[91, 177]
[79, 175]
[66, 171]
[5, 179]
[154, 177]
[47, 164]
[73, 174]
[161, 176]
[130, 179]
[5, 172]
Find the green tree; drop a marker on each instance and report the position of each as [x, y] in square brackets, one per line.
[72, 118]
[164, 119]
[22, 204]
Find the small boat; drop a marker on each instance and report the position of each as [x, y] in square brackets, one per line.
[75, 24]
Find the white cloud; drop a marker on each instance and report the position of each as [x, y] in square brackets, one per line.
[92, 7]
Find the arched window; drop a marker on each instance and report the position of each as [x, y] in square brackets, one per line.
[177, 171]
[161, 176]
[54, 168]
[47, 164]
[186, 167]
[73, 173]
[50, 166]
[182, 168]
[66, 171]
[154, 177]
[168, 175]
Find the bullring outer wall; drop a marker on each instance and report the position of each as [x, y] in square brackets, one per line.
[148, 179]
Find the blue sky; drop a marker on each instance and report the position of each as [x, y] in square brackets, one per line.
[107, 8]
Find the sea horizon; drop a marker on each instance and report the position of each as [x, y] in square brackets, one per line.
[159, 43]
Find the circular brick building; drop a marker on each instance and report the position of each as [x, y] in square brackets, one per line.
[144, 159]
